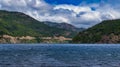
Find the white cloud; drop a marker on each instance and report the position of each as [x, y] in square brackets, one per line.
[88, 15]
[76, 9]
[11, 3]
[80, 16]
[54, 18]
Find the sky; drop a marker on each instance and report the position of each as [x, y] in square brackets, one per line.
[80, 13]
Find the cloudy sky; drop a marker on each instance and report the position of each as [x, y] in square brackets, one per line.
[80, 13]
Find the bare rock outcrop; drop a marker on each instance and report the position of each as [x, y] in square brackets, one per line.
[11, 39]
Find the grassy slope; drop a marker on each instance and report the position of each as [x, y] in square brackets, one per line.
[19, 24]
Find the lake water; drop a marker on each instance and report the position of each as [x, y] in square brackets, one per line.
[55, 55]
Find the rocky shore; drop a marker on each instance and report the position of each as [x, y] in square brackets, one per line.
[30, 39]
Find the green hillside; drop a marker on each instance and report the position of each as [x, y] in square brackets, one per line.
[19, 24]
[105, 32]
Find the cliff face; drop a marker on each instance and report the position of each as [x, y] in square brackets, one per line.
[110, 39]
[105, 32]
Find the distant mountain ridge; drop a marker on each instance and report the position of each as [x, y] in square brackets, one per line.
[106, 32]
[65, 26]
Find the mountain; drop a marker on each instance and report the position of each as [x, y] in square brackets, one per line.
[106, 32]
[65, 26]
[20, 24]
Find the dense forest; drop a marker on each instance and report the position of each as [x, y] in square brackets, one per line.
[107, 31]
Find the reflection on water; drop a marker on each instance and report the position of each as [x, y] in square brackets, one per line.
[59, 55]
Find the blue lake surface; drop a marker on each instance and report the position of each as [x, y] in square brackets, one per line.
[56, 55]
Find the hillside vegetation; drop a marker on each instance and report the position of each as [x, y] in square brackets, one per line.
[19, 24]
[106, 32]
